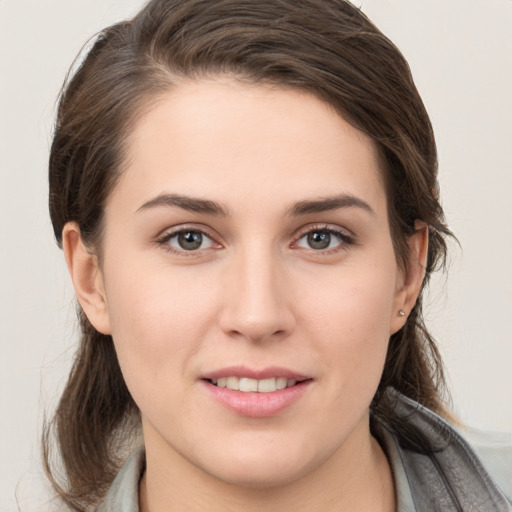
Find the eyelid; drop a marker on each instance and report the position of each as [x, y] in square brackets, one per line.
[167, 234]
[346, 236]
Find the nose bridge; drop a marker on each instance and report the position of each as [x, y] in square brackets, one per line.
[256, 305]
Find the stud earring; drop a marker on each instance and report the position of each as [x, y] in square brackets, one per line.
[401, 312]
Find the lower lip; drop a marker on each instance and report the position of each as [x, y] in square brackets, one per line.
[258, 405]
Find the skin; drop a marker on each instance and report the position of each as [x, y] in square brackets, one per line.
[255, 293]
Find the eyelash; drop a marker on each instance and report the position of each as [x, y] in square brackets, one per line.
[164, 240]
[346, 240]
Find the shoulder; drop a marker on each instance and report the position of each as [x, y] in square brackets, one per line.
[443, 470]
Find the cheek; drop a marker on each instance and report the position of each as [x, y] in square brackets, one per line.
[159, 318]
[356, 299]
[350, 318]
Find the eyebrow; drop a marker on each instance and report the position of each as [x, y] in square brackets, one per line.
[329, 203]
[197, 205]
[191, 204]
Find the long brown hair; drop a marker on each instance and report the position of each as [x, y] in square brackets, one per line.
[326, 47]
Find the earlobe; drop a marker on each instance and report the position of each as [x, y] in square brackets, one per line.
[411, 279]
[87, 278]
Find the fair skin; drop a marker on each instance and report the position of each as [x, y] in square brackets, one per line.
[248, 237]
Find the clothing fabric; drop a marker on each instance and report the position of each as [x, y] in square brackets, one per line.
[434, 468]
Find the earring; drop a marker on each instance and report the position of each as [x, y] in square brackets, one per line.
[401, 312]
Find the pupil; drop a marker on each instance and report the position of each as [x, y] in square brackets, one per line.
[190, 240]
[319, 239]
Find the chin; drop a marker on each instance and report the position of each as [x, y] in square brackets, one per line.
[263, 469]
[257, 477]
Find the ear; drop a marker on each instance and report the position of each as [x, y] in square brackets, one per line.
[411, 278]
[87, 277]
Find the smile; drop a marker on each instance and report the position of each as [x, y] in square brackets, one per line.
[248, 385]
[256, 398]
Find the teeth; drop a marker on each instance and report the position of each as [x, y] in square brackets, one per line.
[267, 385]
[233, 383]
[248, 384]
[281, 383]
[253, 385]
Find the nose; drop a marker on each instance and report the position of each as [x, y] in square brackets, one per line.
[257, 301]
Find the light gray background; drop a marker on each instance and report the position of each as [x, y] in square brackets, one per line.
[460, 52]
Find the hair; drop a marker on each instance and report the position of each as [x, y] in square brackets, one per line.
[328, 48]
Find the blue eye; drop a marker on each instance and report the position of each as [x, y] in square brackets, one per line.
[188, 240]
[323, 239]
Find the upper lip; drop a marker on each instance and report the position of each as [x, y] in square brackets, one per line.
[253, 373]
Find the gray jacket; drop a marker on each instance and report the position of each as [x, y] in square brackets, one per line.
[434, 468]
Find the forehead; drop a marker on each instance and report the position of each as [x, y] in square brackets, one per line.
[230, 140]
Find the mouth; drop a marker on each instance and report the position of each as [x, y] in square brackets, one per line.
[249, 385]
[256, 393]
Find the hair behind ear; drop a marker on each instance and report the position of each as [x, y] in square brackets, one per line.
[95, 404]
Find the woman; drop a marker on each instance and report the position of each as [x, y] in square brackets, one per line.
[247, 201]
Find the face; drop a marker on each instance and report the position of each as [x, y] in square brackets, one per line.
[249, 280]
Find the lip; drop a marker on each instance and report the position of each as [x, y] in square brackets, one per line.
[252, 404]
[251, 373]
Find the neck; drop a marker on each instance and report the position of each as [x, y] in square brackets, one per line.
[356, 478]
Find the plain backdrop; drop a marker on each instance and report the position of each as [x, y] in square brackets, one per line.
[460, 52]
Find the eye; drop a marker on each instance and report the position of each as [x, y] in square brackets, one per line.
[321, 239]
[188, 240]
